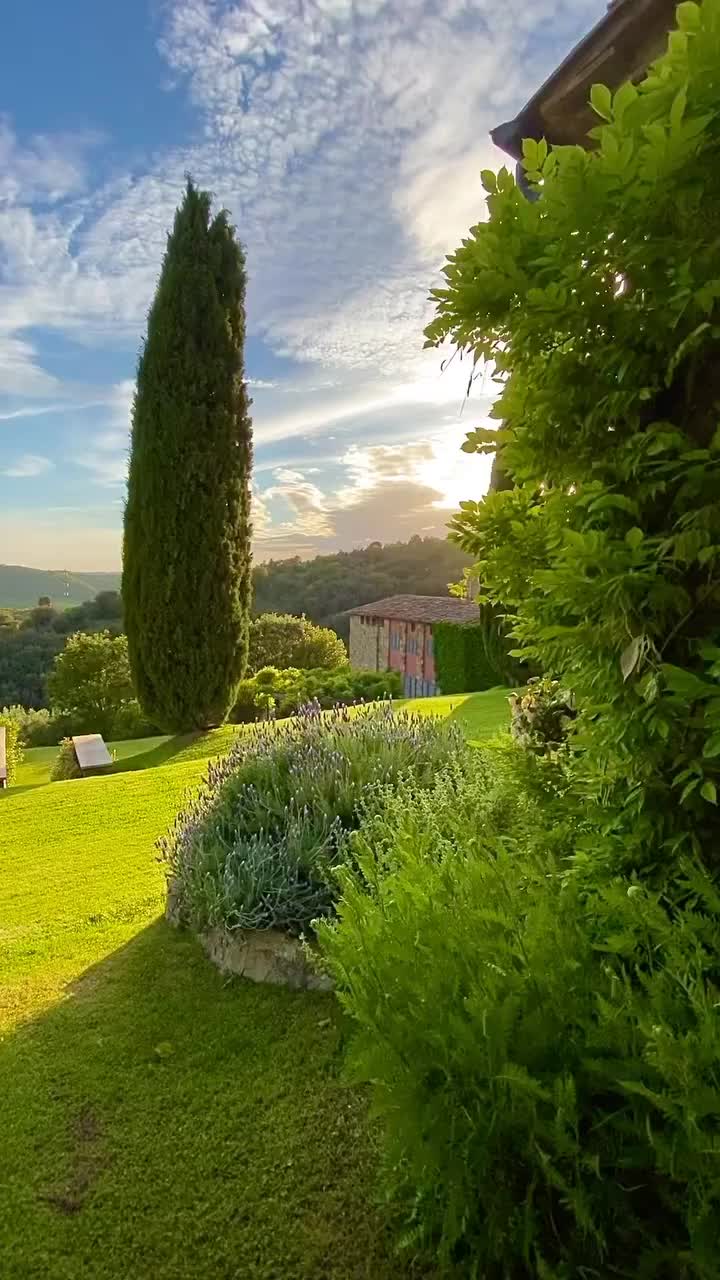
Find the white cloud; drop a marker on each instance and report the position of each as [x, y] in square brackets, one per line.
[28, 465]
[346, 138]
[45, 167]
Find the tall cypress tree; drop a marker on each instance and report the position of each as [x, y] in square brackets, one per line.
[186, 558]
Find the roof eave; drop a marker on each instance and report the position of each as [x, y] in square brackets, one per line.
[619, 47]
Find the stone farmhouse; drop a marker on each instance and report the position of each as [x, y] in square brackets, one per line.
[397, 633]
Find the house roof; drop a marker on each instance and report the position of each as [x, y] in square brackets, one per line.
[421, 609]
[620, 47]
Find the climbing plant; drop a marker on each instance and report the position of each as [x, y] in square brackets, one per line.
[598, 307]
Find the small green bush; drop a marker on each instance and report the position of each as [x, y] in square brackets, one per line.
[13, 746]
[258, 848]
[283, 691]
[545, 1058]
[130, 721]
[284, 640]
[65, 764]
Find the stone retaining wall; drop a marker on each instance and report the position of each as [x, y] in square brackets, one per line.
[262, 955]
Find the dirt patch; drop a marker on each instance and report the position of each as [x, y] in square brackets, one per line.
[87, 1163]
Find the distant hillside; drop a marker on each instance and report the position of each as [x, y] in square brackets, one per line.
[325, 587]
[322, 588]
[21, 588]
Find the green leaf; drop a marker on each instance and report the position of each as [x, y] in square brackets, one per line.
[678, 680]
[677, 110]
[677, 44]
[631, 655]
[712, 747]
[530, 153]
[624, 98]
[688, 790]
[634, 537]
[489, 180]
[708, 791]
[687, 16]
[601, 101]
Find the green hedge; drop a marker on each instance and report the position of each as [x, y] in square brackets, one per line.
[472, 656]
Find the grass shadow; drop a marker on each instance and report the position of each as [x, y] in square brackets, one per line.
[162, 754]
[194, 1126]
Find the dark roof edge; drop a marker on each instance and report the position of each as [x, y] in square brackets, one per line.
[528, 123]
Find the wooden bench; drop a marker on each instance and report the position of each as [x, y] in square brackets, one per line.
[3, 759]
[91, 752]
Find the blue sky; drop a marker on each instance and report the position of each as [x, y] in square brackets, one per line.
[346, 137]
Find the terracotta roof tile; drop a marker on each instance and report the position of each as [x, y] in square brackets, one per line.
[420, 609]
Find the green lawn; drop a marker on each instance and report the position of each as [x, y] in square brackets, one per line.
[159, 1121]
[480, 715]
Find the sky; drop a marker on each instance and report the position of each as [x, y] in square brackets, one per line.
[346, 138]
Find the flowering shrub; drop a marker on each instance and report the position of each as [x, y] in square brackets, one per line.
[257, 848]
[541, 716]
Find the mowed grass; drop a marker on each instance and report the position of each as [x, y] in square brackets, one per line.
[137, 753]
[480, 716]
[159, 1121]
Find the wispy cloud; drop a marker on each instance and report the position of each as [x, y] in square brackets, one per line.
[30, 464]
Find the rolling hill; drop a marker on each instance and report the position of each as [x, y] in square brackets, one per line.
[21, 588]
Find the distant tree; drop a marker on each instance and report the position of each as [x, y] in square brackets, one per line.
[186, 565]
[43, 615]
[107, 605]
[325, 587]
[90, 681]
[26, 657]
[44, 602]
[282, 640]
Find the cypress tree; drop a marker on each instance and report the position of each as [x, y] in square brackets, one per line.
[186, 556]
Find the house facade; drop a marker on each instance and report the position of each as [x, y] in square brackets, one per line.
[397, 634]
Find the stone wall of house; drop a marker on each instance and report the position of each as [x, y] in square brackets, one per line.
[369, 641]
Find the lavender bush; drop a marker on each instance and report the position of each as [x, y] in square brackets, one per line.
[258, 847]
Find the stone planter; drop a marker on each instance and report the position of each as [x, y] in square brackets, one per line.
[262, 955]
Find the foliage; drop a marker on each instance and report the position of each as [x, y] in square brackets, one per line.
[115, 1030]
[31, 639]
[90, 681]
[259, 847]
[26, 658]
[599, 306]
[283, 640]
[104, 612]
[473, 656]
[540, 716]
[35, 727]
[65, 764]
[13, 745]
[325, 587]
[131, 722]
[186, 575]
[284, 692]
[545, 1059]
